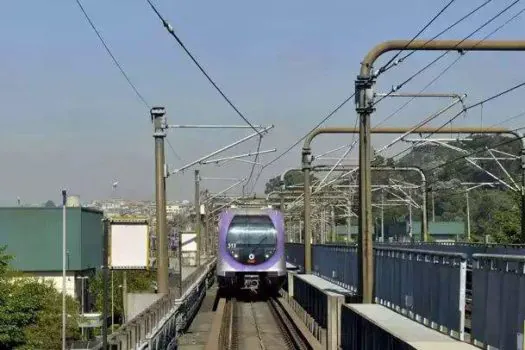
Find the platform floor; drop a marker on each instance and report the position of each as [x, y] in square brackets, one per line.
[197, 333]
[412, 333]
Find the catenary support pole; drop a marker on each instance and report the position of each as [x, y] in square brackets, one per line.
[197, 217]
[159, 123]
[468, 215]
[382, 215]
[64, 266]
[105, 277]
[365, 107]
[306, 165]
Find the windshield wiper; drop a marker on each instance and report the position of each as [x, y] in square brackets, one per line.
[258, 244]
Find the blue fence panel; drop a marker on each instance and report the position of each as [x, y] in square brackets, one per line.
[358, 333]
[312, 300]
[428, 284]
[498, 300]
[295, 254]
[337, 264]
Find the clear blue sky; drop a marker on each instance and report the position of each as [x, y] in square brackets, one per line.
[70, 119]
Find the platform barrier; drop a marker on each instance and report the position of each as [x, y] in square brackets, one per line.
[375, 327]
[427, 286]
[318, 303]
[498, 301]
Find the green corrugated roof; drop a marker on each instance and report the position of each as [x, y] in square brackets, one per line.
[34, 237]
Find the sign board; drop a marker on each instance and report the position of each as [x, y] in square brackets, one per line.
[189, 242]
[129, 245]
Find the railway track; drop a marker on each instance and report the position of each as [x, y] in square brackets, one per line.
[254, 324]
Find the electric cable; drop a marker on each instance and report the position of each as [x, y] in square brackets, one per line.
[479, 103]
[170, 29]
[424, 68]
[454, 160]
[438, 35]
[449, 66]
[453, 63]
[119, 66]
[392, 59]
[325, 119]
[173, 150]
[253, 166]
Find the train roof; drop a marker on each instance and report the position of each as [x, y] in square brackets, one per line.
[249, 211]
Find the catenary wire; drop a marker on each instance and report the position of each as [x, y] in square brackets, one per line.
[424, 68]
[325, 119]
[173, 150]
[448, 67]
[454, 62]
[119, 66]
[439, 34]
[479, 103]
[253, 165]
[347, 99]
[481, 150]
[392, 59]
[506, 120]
[170, 29]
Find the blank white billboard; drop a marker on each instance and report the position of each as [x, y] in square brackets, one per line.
[189, 242]
[129, 246]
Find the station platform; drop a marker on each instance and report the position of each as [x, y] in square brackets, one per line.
[375, 319]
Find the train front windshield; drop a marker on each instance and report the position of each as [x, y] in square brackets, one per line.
[251, 239]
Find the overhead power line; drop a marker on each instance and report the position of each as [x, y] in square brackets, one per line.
[173, 150]
[325, 119]
[385, 66]
[480, 150]
[477, 104]
[448, 67]
[119, 66]
[253, 166]
[516, 116]
[170, 29]
[397, 87]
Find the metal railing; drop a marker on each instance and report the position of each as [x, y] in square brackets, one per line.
[336, 263]
[156, 326]
[498, 300]
[427, 286]
[420, 284]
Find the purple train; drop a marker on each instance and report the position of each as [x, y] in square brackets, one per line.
[251, 250]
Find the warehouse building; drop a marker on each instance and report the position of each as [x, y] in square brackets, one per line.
[33, 236]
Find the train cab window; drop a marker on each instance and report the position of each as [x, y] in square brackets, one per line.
[251, 230]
